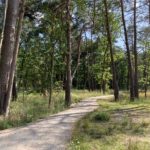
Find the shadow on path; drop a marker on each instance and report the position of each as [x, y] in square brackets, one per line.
[52, 133]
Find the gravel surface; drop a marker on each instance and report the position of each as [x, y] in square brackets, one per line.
[52, 133]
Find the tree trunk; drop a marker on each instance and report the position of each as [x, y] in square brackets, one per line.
[15, 55]
[136, 92]
[103, 82]
[145, 73]
[79, 53]
[14, 90]
[4, 20]
[51, 77]
[128, 81]
[149, 10]
[145, 79]
[115, 82]
[7, 53]
[130, 70]
[68, 84]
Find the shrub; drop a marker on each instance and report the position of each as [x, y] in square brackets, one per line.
[101, 116]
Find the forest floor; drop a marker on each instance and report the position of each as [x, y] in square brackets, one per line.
[122, 125]
[52, 133]
[30, 107]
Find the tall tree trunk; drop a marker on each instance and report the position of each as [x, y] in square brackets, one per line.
[15, 55]
[68, 84]
[128, 80]
[103, 82]
[149, 10]
[115, 82]
[145, 73]
[51, 77]
[4, 20]
[7, 53]
[14, 90]
[136, 92]
[79, 53]
[130, 70]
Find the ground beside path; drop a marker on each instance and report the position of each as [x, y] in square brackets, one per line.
[52, 133]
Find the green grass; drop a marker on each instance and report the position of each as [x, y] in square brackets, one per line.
[101, 116]
[35, 106]
[120, 125]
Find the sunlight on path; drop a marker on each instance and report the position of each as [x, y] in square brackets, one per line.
[52, 133]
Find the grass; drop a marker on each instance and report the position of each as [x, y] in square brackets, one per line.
[120, 125]
[35, 106]
[101, 116]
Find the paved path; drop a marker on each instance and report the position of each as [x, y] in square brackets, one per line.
[52, 133]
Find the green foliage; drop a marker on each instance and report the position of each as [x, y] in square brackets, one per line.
[44, 31]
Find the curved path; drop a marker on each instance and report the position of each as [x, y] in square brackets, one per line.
[52, 133]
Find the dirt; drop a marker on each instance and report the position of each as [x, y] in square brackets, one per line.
[52, 133]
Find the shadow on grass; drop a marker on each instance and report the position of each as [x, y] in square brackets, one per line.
[122, 121]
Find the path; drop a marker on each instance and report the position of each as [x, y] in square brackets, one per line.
[52, 133]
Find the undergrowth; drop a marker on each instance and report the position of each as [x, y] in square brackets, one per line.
[31, 107]
[119, 125]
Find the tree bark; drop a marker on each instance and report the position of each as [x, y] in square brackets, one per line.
[145, 80]
[51, 77]
[130, 70]
[4, 19]
[68, 57]
[79, 53]
[15, 55]
[7, 53]
[14, 90]
[115, 82]
[136, 92]
[149, 10]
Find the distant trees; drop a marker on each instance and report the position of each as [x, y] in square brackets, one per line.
[136, 9]
[89, 52]
[144, 67]
[73, 44]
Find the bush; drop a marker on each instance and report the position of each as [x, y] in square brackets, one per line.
[101, 116]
